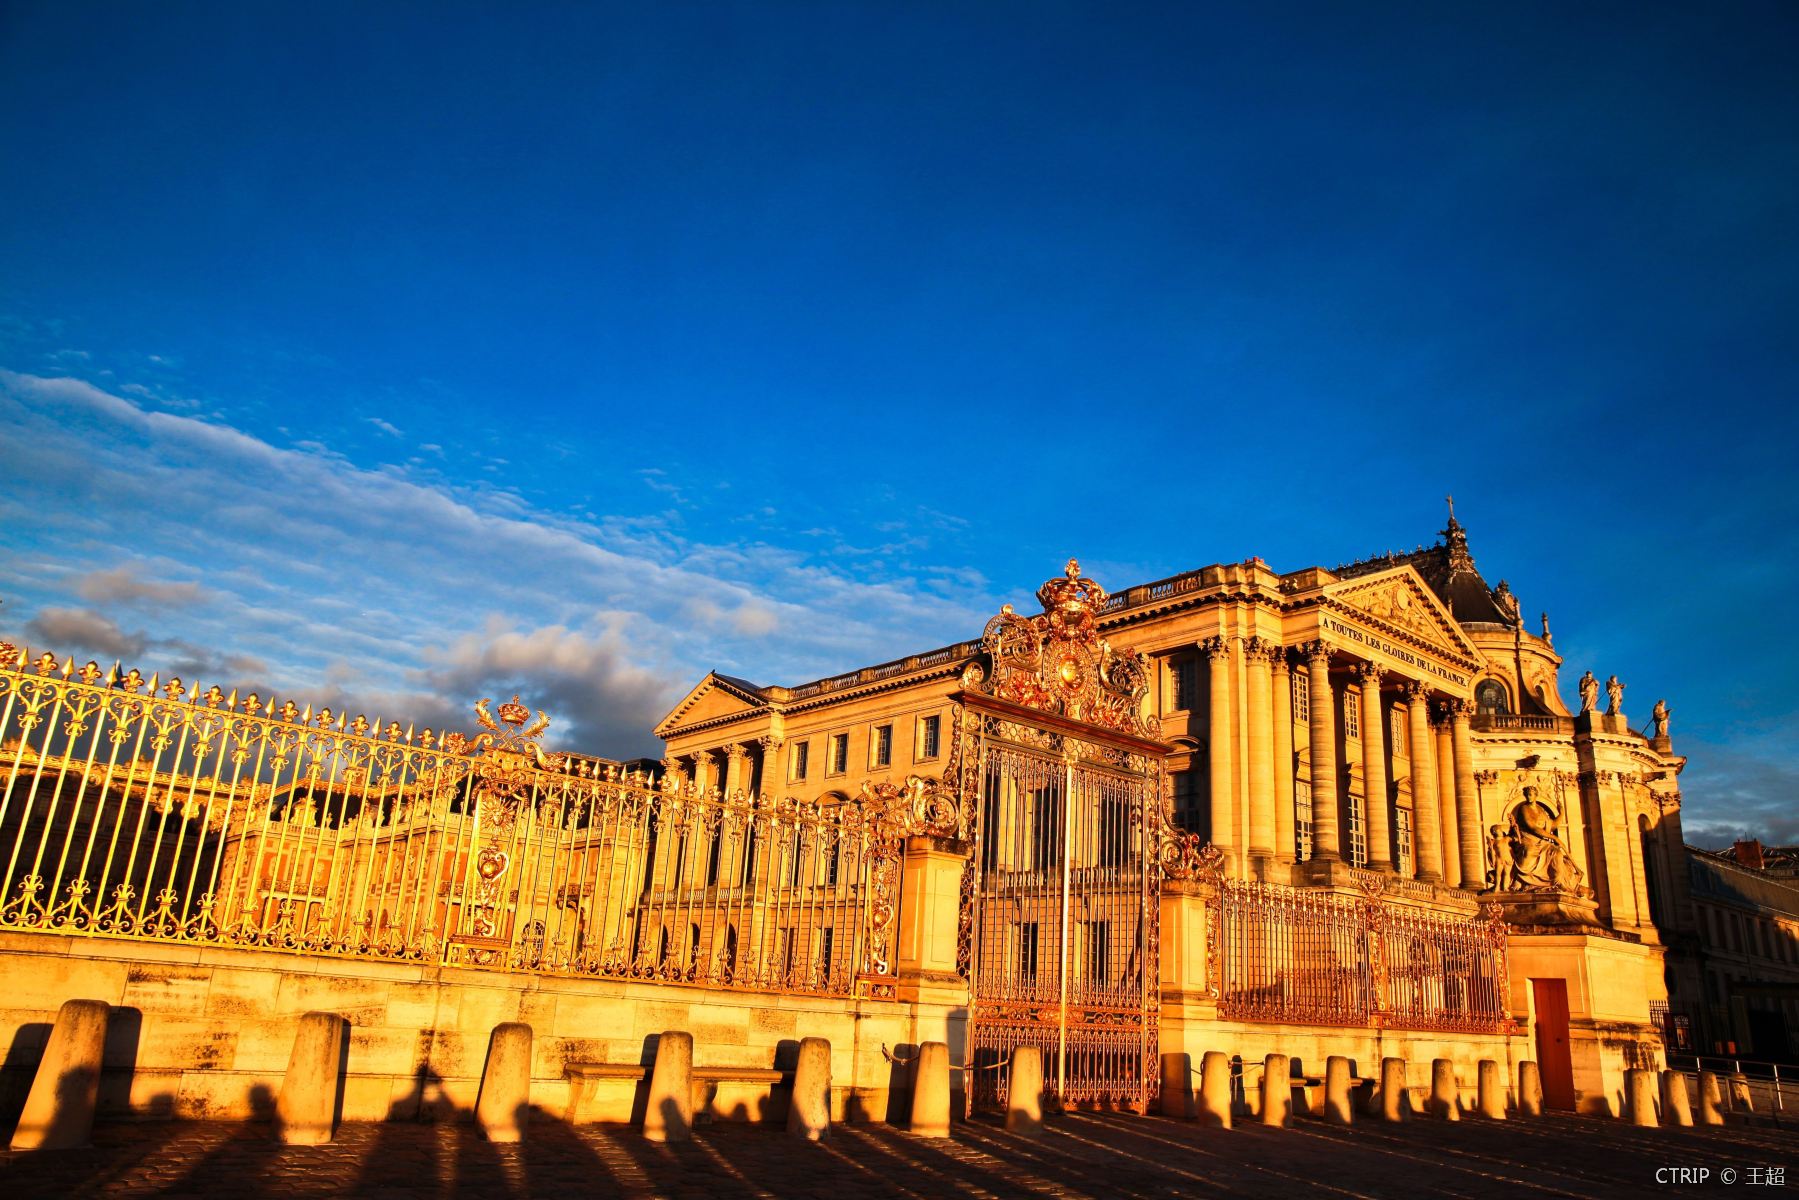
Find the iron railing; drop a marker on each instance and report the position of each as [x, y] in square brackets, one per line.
[149, 810]
[1299, 955]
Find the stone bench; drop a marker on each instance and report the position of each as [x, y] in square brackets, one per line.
[617, 1092]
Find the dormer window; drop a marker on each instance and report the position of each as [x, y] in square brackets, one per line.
[1490, 697]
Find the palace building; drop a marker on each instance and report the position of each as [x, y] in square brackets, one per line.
[1414, 836]
[1305, 814]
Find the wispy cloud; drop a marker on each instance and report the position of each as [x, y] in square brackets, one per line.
[123, 585]
[298, 565]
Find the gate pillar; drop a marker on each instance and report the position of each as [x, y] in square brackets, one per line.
[1189, 992]
[928, 953]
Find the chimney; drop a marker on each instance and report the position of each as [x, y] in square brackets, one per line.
[1749, 854]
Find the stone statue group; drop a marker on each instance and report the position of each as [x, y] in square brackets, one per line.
[1614, 706]
[1525, 855]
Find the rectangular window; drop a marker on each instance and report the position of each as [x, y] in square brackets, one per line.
[1302, 819]
[1046, 832]
[840, 753]
[1358, 832]
[927, 736]
[883, 747]
[1183, 683]
[824, 954]
[1352, 713]
[802, 753]
[1186, 800]
[1398, 738]
[1402, 829]
[1027, 951]
[1302, 697]
[1098, 947]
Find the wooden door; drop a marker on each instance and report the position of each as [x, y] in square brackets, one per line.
[1553, 1058]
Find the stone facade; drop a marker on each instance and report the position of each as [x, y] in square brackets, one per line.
[1389, 720]
[1733, 960]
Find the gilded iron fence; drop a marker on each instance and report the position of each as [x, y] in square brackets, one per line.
[1441, 972]
[141, 809]
[1319, 957]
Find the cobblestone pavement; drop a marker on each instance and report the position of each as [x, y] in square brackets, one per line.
[1084, 1155]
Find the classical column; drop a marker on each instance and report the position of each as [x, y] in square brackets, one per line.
[1374, 771]
[1283, 757]
[1218, 744]
[1467, 802]
[773, 773]
[1325, 847]
[705, 770]
[1261, 751]
[1427, 836]
[1447, 822]
[737, 758]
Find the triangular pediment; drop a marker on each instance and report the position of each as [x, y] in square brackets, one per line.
[715, 696]
[1400, 600]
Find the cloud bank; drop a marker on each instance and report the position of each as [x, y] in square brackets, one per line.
[204, 549]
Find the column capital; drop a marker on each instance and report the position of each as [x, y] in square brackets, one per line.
[736, 751]
[1277, 660]
[705, 758]
[1316, 652]
[1459, 710]
[1486, 778]
[1369, 672]
[1415, 690]
[1260, 647]
[1215, 648]
[769, 743]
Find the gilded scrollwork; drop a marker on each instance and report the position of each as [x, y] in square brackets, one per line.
[1056, 661]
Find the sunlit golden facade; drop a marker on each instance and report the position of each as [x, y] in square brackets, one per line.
[1388, 724]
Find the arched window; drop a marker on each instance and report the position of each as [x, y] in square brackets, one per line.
[1490, 697]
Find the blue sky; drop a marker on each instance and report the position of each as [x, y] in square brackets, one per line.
[402, 355]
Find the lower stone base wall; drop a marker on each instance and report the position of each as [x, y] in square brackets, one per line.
[205, 1032]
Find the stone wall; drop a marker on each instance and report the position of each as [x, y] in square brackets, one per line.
[206, 1031]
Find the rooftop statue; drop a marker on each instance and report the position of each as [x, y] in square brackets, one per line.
[1658, 720]
[1589, 693]
[1614, 693]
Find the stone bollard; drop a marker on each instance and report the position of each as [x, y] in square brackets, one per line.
[1393, 1101]
[1491, 1096]
[1639, 1092]
[1277, 1090]
[1530, 1089]
[1177, 1086]
[1024, 1092]
[503, 1104]
[809, 1112]
[307, 1107]
[930, 1091]
[1711, 1099]
[1215, 1089]
[59, 1111]
[1740, 1099]
[1677, 1105]
[1445, 1096]
[668, 1115]
[1337, 1108]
